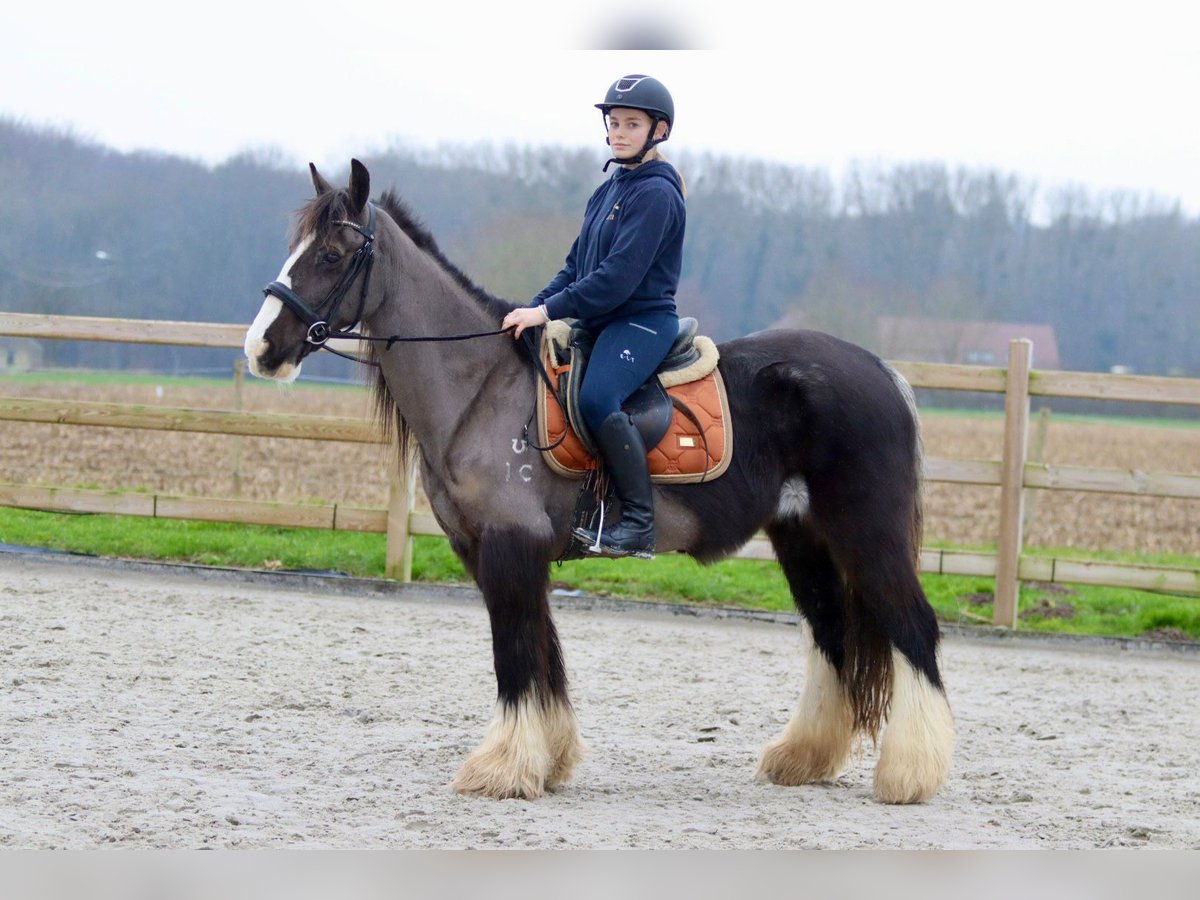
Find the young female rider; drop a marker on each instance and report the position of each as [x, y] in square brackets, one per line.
[619, 282]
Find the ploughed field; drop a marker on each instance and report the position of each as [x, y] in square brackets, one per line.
[357, 474]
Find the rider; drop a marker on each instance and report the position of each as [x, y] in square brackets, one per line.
[619, 282]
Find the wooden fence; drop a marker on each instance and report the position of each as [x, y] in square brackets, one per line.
[1013, 473]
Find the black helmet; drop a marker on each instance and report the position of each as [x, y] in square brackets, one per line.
[640, 92]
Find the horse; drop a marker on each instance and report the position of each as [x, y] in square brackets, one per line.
[827, 460]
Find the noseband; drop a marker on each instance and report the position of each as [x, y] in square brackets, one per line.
[319, 330]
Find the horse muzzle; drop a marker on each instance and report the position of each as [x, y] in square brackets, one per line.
[263, 358]
[260, 364]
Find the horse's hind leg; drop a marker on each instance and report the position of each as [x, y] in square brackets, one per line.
[892, 667]
[874, 657]
[817, 741]
[914, 755]
[532, 743]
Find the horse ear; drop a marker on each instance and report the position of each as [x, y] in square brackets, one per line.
[319, 182]
[360, 185]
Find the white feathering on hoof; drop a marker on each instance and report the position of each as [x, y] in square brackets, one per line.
[528, 749]
[817, 741]
[914, 756]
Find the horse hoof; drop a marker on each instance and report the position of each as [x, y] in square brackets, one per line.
[529, 748]
[818, 740]
[791, 763]
[910, 777]
[914, 783]
[568, 754]
[914, 756]
[487, 774]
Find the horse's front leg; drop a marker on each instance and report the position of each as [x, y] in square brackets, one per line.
[533, 742]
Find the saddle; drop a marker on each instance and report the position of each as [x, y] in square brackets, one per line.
[682, 412]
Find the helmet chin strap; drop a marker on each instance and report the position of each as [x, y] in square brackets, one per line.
[651, 143]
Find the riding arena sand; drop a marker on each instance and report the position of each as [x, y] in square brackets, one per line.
[154, 706]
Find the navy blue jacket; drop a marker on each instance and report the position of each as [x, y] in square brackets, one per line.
[628, 254]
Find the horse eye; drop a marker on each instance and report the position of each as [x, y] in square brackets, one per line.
[331, 257]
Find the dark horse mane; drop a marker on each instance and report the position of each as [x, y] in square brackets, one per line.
[318, 217]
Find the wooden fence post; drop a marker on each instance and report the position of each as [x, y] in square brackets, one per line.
[1012, 482]
[401, 503]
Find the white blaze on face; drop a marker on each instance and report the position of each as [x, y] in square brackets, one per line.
[256, 343]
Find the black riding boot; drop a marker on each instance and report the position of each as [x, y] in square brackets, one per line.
[624, 454]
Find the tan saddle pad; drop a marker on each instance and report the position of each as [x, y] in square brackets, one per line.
[684, 455]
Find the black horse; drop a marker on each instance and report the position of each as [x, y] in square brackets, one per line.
[826, 459]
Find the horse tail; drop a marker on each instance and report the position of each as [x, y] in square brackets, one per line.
[885, 606]
[917, 527]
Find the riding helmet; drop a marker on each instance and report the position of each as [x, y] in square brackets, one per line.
[640, 92]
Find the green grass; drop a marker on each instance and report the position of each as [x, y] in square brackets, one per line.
[1070, 609]
[205, 543]
[672, 578]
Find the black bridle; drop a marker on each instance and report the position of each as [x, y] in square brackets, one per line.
[317, 319]
[320, 333]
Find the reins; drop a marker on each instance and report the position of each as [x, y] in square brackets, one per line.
[398, 339]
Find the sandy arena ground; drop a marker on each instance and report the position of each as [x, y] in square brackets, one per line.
[152, 706]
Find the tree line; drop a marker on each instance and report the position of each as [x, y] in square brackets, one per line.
[85, 230]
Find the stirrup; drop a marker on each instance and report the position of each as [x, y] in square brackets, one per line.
[592, 542]
[604, 551]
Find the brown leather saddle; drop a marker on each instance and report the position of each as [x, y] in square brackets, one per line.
[682, 412]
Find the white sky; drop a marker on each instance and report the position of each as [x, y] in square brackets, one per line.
[1059, 91]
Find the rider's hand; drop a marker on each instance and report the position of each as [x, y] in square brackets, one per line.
[524, 317]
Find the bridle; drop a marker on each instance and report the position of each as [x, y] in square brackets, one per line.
[319, 331]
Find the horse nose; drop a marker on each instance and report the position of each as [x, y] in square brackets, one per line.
[254, 347]
[260, 366]
[254, 350]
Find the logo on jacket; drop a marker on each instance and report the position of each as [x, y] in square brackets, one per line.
[626, 356]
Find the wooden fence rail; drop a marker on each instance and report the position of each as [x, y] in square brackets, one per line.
[1014, 474]
[206, 421]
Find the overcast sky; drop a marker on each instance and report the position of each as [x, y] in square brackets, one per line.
[1099, 94]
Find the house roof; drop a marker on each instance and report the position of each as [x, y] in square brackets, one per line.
[963, 341]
